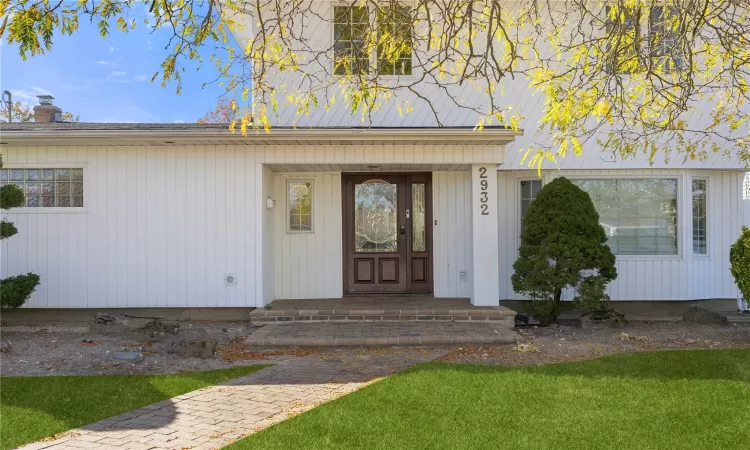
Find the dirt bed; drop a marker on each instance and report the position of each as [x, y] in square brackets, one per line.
[77, 349]
[565, 343]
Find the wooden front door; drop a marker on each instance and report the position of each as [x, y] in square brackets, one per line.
[387, 233]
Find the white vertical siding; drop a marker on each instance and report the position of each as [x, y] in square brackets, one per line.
[682, 277]
[451, 240]
[161, 226]
[309, 265]
[269, 233]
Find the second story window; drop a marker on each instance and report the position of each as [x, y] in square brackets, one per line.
[355, 28]
[350, 24]
[394, 40]
[636, 35]
[664, 32]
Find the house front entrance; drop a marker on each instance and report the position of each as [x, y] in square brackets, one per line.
[387, 233]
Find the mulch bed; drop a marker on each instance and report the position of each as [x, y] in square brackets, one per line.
[236, 351]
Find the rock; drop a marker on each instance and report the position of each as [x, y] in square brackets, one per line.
[6, 347]
[104, 319]
[195, 349]
[699, 314]
[160, 327]
[133, 357]
[690, 341]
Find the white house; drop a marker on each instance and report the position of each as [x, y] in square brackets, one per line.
[326, 206]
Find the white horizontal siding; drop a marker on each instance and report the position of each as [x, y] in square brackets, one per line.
[309, 265]
[683, 277]
[160, 227]
[451, 239]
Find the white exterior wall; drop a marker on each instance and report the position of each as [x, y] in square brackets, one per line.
[682, 277]
[451, 234]
[161, 226]
[309, 265]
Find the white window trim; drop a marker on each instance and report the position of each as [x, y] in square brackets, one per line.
[680, 178]
[709, 247]
[54, 210]
[373, 57]
[519, 210]
[289, 181]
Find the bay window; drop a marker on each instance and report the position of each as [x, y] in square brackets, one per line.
[638, 215]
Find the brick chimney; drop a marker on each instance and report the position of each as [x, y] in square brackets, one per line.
[45, 111]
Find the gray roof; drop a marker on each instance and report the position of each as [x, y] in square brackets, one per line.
[90, 126]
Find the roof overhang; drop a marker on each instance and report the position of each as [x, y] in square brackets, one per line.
[276, 136]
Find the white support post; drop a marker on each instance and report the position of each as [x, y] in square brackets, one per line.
[484, 235]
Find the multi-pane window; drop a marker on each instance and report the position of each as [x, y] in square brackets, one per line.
[529, 191]
[47, 188]
[664, 32]
[626, 38]
[623, 30]
[300, 205]
[350, 25]
[394, 40]
[700, 235]
[393, 34]
[638, 215]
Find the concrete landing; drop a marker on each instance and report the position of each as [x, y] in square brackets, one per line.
[379, 334]
[382, 309]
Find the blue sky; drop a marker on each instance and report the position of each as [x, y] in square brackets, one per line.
[108, 80]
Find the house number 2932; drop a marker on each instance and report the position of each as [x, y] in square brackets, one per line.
[483, 194]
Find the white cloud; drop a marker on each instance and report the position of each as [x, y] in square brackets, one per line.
[118, 74]
[112, 49]
[28, 96]
[105, 63]
[178, 121]
[141, 78]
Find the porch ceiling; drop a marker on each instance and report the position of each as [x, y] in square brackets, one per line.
[369, 167]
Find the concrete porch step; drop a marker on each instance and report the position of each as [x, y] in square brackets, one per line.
[379, 334]
[497, 314]
[738, 318]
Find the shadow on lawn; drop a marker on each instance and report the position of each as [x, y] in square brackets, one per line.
[728, 364]
[72, 402]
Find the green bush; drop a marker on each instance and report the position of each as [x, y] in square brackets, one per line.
[563, 246]
[739, 260]
[11, 196]
[15, 290]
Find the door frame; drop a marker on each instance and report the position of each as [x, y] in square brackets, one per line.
[409, 178]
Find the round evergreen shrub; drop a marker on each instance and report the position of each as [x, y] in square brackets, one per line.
[11, 196]
[14, 290]
[739, 260]
[562, 246]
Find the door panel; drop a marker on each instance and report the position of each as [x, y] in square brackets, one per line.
[387, 237]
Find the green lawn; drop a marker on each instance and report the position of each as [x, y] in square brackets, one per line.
[32, 408]
[681, 399]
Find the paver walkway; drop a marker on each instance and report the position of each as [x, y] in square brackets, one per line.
[216, 416]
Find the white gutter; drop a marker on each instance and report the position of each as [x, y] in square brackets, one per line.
[277, 134]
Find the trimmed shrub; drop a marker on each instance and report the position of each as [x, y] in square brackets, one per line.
[739, 260]
[15, 290]
[11, 196]
[562, 246]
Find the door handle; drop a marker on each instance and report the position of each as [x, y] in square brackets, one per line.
[402, 230]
